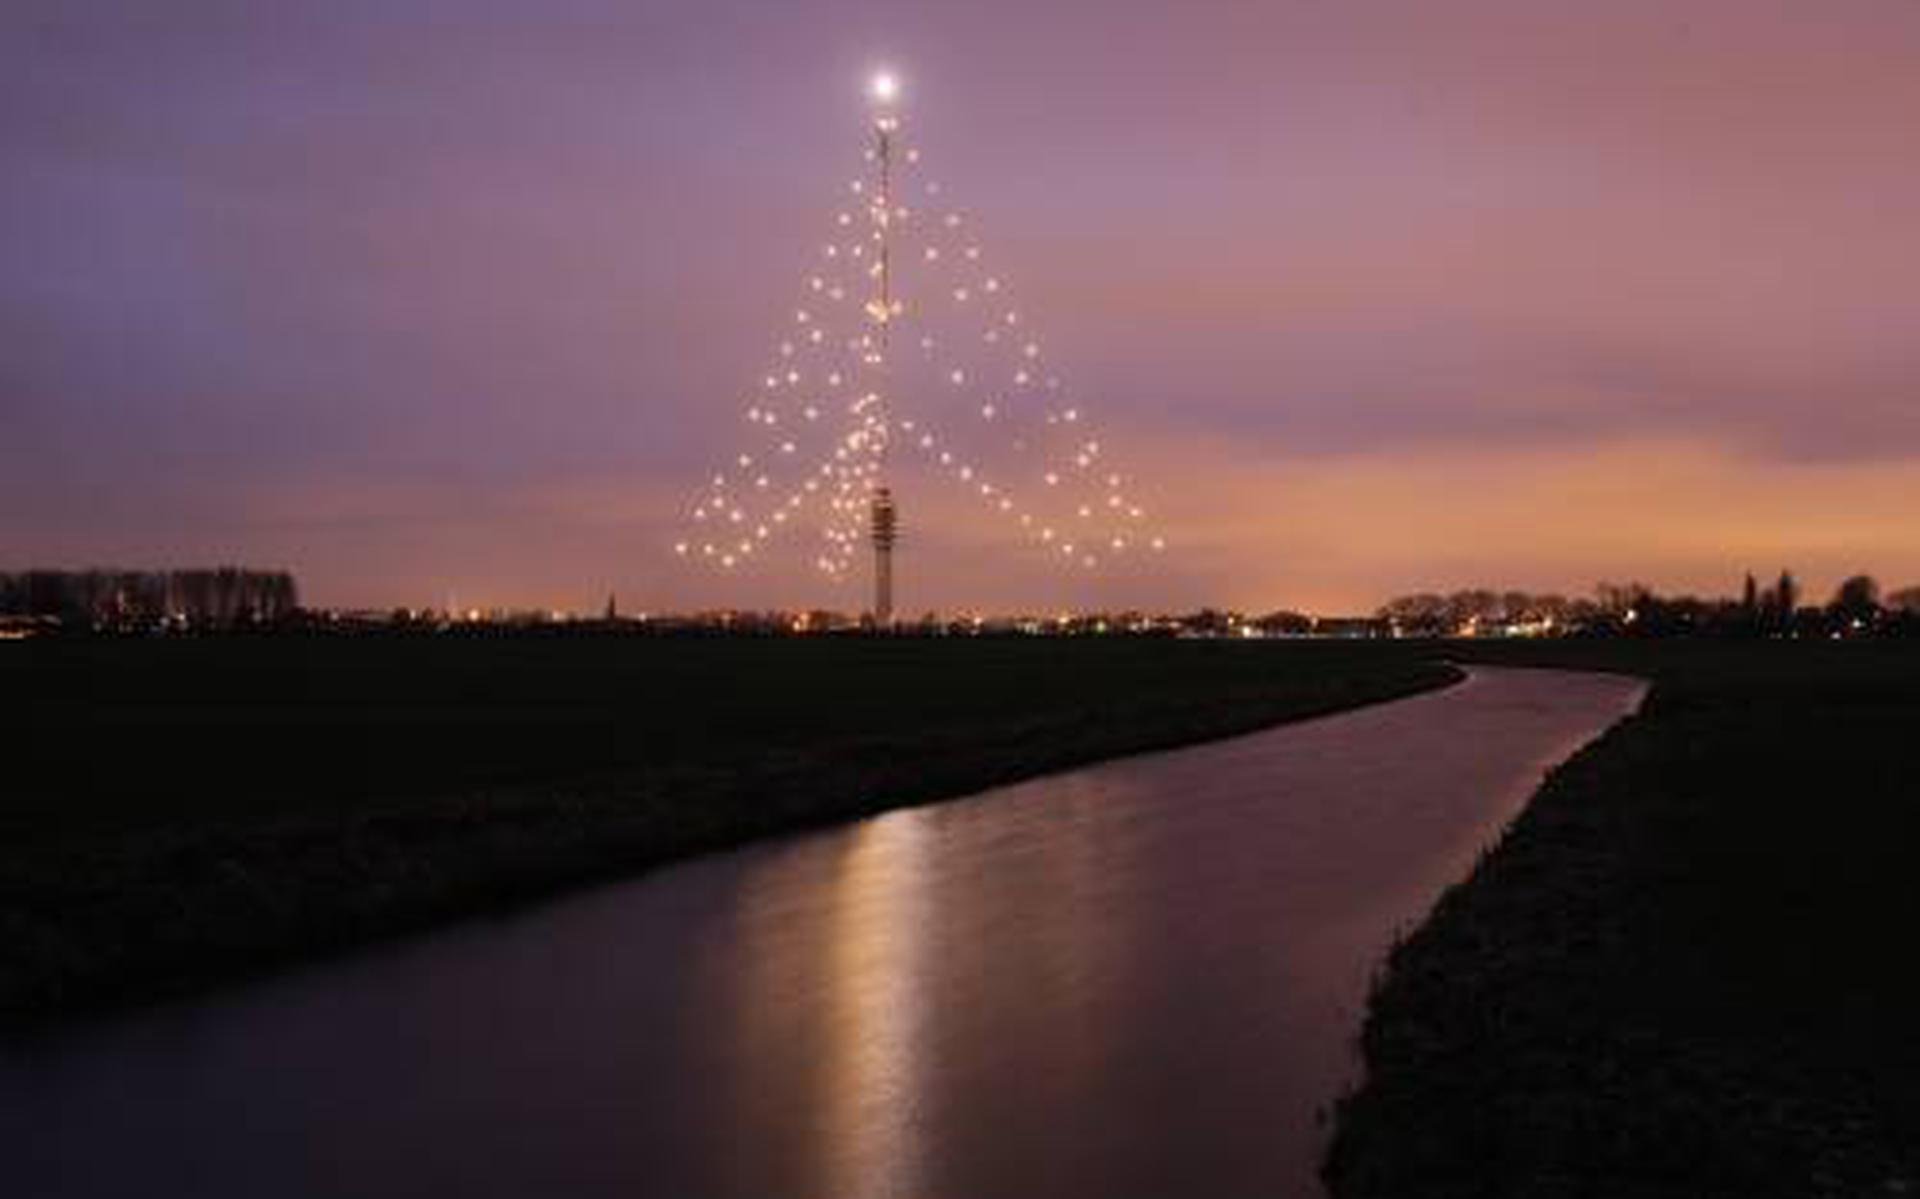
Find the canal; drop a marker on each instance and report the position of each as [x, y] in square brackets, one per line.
[1142, 978]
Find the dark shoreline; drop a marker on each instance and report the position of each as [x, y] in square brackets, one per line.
[100, 913]
[1680, 972]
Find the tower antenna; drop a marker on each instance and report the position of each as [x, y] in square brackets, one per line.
[882, 514]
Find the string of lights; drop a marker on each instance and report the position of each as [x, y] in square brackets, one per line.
[906, 334]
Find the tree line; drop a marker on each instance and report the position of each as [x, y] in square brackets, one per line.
[220, 597]
[1779, 609]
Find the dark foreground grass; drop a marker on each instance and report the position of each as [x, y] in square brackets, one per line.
[179, 810]
[1689, 969]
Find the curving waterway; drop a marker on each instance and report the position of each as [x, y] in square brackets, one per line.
[1138, 979]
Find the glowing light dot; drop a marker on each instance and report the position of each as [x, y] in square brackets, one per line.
[884, 87]
[986, 411]
[958, 376]
[1159, 544]
[680, 547]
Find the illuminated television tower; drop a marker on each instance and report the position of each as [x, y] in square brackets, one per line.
[904, 303]
[883, 516]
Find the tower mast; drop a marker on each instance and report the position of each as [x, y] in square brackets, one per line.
[881, 512]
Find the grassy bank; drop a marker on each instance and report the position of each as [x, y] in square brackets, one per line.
[1689, 968]
[180, 810]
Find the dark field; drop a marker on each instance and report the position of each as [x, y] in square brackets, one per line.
[177, 810]
[1690, 968]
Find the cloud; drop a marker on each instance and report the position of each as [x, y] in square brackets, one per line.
[1377, 295]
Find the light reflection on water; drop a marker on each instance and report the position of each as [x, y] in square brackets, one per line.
[1137, 979]
[871, 1088]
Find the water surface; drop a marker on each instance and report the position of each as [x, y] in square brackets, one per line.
[1138, 979]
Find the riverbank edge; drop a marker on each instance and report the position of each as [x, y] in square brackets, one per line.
[313, 891]
[1465, 1091]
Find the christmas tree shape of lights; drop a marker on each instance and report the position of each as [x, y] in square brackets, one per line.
[907, 339]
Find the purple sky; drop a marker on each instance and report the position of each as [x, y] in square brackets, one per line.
[436, 301]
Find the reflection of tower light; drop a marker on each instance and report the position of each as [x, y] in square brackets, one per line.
[885, 531]
[884, 896]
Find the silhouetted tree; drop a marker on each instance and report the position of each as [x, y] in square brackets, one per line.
[1857, 602]
[1786, 599]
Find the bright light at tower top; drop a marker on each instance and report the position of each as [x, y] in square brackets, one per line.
[884, 87]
